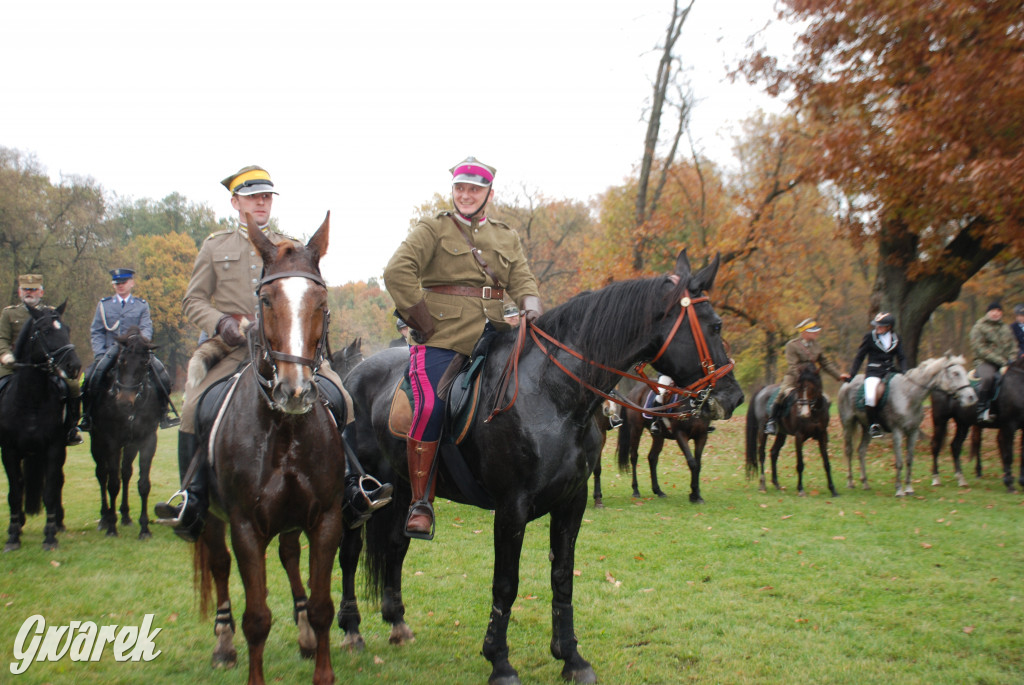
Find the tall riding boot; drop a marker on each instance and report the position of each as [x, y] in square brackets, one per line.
[420, 523]
[163, 384]
[874, 427]
[85, 424]
[771, 427]
[72, 413]
[189, 517]
[363, 496]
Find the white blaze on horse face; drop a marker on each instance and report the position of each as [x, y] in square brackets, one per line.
[294, 290]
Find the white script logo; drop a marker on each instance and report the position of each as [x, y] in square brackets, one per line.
[82, 641]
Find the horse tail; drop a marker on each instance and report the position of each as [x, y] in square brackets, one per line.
[202, 577]
[753, 428]
[625, 438]
[35, 471]
[377, 537]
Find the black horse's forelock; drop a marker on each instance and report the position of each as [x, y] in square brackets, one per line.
[134, 340]
[625, 312]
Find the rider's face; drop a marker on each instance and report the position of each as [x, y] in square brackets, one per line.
[468, 197]
[30, 296]
[258, 205]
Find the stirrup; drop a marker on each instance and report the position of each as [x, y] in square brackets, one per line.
[167, 506]
[170, 421]
[875, 431]
[420, 504]
[771, 428]
[614, 420]
[385, 495]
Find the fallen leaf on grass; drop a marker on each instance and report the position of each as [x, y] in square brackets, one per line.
[838, 537]
[640, 557]
[801, 620]
[925, 545]
[54, 563]
[577, 573]
[611, 579]
[968, 629]
[377, 660]
[787, 516]
[766, 587]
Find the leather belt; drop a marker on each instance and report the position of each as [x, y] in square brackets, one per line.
[486, 292]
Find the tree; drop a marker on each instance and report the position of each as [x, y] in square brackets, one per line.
[173, 214]
[914, 111]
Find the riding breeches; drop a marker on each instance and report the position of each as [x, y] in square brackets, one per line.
[871, 390]
[426, 366]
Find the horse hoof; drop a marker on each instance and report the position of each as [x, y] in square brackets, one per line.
[228, 660]
[936, 481]
[307, 653]
[401, 634]
[696, 499]
[507, 676]
[111, 532]
[145, 535]
[578, 672]
[126, 521]
[49, 546]
[661, 494]
[598, 504]
[353, 642]
[12, 546]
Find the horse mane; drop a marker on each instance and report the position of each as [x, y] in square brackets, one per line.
[930, 367]
[809, 374]
[24, 335]
[135, 341]
[601, 324]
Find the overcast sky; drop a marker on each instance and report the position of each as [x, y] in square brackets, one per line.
[358, 108]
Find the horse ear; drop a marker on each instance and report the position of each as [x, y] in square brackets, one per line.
[318, 243]
[705, 278]
[62, 307]
[268, 251]
[683, 265]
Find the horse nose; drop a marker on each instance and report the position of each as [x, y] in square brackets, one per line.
[295, 398]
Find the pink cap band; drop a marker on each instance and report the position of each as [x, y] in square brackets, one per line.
[474, 170]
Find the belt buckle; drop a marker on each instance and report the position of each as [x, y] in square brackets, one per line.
[485, 292]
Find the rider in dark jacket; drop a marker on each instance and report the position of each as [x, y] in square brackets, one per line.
[884, 352]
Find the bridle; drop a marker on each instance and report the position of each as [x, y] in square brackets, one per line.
[697, 392]
[136, 389]
[52, 360]
[270, 356]
[949, 393]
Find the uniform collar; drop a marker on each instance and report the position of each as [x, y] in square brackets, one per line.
[471, 223]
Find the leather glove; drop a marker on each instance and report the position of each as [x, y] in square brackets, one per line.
[844, 378]
[227, 328]
[7, 359]
[531, 307]
[421, 322]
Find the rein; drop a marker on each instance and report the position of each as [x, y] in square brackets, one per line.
[51, 360]
[273, 356]
[950, 393]
[699, 390]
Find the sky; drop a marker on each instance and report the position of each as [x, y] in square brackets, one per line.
[359, 108]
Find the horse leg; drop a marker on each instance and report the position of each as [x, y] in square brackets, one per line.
[862, 453]
[976, 449]
[392, 608]
[289, 551]
[509, 528]
[15, 500]
[776, 447]
[908, 460]
[598, 497]
[103, 476]
[323, 543]
[565, 526]
[250, 553]
[634, 457]
[652, 463]
[761, 440]
[848, 452]
[213, 556]
[53, 486]
[823, 448]
[1006, 435]
[897, 449]
[348, 611]
[146, 451]
[128, 455]
[693, 461]
[799, 440]
[939, 437]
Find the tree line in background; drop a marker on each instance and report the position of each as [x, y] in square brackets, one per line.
[891, 184]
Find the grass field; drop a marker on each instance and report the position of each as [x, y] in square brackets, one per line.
[747, 588]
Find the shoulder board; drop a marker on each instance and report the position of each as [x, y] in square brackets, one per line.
[10, 306]
[286, 236]
[500, 224]
[107, 298]
[220, 233]
[442, 214]
[139, 299]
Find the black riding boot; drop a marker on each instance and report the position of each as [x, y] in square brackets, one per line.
[772, 425]
[163, 384]
[188, 517]
[71, 415]
[85, 424]
[874, 427]
[363, 496]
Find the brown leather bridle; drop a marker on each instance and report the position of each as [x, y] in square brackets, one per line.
[699, 389]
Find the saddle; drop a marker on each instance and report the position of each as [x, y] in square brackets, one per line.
[462, 400]
[881, 394]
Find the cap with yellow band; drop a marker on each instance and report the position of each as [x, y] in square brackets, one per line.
[249, 180]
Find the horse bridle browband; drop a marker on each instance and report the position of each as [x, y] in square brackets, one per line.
[273, 355]
[699, 389]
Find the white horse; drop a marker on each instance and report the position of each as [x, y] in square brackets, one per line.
[902, 412]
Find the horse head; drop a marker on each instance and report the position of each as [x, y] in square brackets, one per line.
[688, 337]
[953, 380]
[293, 318]
[808, 389]
[45, 343]
[134, 357]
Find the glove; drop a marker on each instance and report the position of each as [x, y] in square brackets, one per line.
[227, 328]
[420, 321]
[7, 359]
[844, 378]
[532, 308]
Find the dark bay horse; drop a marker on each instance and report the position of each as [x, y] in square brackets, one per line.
[535, 458]
[1008, 412]
[126, 414]
[901, 413]
[806, 419]
[32, 433]
[276, 457]
[693, 427]
[346, 359]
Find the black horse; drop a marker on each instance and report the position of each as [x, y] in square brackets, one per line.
[535, 458]
[126, 413]
[807, 418]
[692, 427]
[345, 360]
[32, 434]
[1008, 408]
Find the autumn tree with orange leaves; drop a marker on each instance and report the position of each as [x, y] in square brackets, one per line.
[914, 111]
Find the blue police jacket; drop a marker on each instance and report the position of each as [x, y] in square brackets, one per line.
[112, 320]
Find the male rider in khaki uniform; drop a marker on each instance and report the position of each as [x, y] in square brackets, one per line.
[12, 320]
[221, 292]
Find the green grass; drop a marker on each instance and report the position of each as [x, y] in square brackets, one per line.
[747, 588]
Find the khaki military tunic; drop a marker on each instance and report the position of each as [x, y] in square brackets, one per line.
[224, 279]
[435, 253]
[12, 320]
[799, 351]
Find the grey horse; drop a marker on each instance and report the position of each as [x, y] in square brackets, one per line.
[902, 412]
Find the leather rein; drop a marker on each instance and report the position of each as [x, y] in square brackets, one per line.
[699, 390]
[273, 356]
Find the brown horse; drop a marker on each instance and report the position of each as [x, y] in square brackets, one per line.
[276, 458]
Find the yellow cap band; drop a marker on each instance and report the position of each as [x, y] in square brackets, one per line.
[254, 175]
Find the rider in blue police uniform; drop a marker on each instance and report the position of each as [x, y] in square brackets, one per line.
[114, 316]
